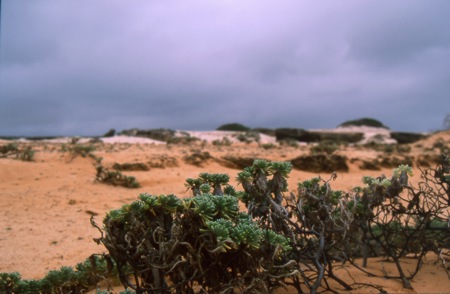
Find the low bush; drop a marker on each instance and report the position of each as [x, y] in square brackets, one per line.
[84, 276]
[75, 149]
[135, 166]
[115, 178]
[197, 158]
[12, 150]
[248, 137]
[222, 142]
[325, 147]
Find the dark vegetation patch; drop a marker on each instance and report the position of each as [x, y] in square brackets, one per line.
[380, 147]
[289, 142]
[163, 161]
[115, 178]
[198, 158]
[222, 142]
[236, 162]
[407, 138]
[135, 166]
[302, 135]
[441, 146]
[428, 160]
[248, 137]
[237, 127]
[394, 161]
[12, 150]
[365, 121]
[182, 138]
[156, 134]
[367, 164]
[266, 131]
[75, 149]
[321, 163]
[384, 161]
[326, 147]
[110, 133]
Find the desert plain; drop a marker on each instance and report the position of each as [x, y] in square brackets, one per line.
[46, 204]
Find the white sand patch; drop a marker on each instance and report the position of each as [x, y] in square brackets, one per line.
[210, 136]
[131, 140]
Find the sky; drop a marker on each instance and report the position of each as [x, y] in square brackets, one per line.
[84, 67]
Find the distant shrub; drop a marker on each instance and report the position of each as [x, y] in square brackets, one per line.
[162, 161]
[12, 150]
[78, 149]
[83, 277]
[115, 178]
[223, 142]
[197, 158]
[135, 166]
[289, 142]
[109, 133]
[268, 146]
[233, 127]
[11, 147]
[26, 154]
[185, 139]
[369, 122]
[442, 146]
[388, 148]
[321, 162]
[266, 131]
[248, 137]
[327, 147]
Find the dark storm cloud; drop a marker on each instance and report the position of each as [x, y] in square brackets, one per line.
[82, 67]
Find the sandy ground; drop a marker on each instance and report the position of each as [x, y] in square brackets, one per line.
[46, 204]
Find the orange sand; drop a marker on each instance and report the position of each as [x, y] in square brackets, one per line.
[46, 204]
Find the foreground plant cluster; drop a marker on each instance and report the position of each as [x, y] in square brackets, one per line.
[207, 244]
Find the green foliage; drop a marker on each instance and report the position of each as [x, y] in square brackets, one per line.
[248, 137]
[268, 146]
[222, 142]
[401, 169]
[115, 178]
[9, 282]
[184, 237]
[259, 191]
[442, 146]
[288, 142]
[85, 276]
[203, 184]
[10, 147]
[327, 147]
[12, 150]
[78, 149]
[136, 166]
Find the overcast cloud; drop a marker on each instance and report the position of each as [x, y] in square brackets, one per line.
[82, 67]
